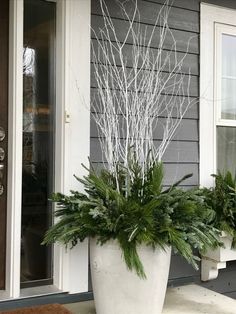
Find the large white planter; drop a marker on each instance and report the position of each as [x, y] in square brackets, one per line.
[120, 291]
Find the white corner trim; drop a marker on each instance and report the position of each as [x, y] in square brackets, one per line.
[206, 111]
[14, 149]
[73, 135]
[210, 16]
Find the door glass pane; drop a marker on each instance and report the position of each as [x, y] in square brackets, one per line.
[38, 137]
[226, 149]
[228, 97]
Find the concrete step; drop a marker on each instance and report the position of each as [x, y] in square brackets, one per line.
[189, 299]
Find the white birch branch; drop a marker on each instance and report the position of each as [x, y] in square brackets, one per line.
[136, 89]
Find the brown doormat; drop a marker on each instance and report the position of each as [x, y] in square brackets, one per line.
[43, 309]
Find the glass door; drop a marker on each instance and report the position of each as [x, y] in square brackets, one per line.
[4, 21]
[38, 139]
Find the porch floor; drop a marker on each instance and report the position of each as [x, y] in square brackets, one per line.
[189, 299]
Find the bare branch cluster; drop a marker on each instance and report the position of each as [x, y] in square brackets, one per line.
[141, 91]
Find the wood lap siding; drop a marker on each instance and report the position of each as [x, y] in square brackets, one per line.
[182, 155]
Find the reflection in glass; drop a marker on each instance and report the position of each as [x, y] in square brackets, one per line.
[38, 138]
[228, 97]
[226, 149]
[228, 55]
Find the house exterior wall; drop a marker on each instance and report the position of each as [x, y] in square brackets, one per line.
[182, 156]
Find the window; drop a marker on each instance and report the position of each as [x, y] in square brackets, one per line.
[225, 96]
[217, 91]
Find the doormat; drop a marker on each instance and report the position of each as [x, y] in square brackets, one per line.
[43, 309]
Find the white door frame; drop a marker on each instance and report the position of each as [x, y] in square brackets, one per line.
[72, 139]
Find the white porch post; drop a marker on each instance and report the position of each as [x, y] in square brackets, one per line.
[72, 127]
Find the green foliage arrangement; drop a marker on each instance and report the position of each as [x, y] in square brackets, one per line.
[222, 199]
[133, 208]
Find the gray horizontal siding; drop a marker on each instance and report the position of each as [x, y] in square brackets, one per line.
[186, 4]
[190, 60]
[187, 131]
[180, 268]
[179, 18]
[191, 113]
[185, 40]
[193, 84]
[177, 152]
[172, 173]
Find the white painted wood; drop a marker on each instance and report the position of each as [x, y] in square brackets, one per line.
[210, 269]
[14, 149]
[213, 260]
[73, 136]
[223, 254]
[79, 126]
[61, 259]
[206, 130]
[214, 20]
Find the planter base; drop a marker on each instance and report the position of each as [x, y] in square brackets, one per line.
[117, 290]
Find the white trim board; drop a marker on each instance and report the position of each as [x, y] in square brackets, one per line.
[73, 133]
[14, 149]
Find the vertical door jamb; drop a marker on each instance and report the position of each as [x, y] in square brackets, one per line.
[73, 136]
[14, 149]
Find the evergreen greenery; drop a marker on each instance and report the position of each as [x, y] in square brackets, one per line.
[222, 199]
[132, 207]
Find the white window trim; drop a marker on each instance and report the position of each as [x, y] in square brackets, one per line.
[73, 98]
[213, 21]
[72, 139]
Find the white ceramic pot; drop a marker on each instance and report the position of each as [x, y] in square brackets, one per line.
[120, 291]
